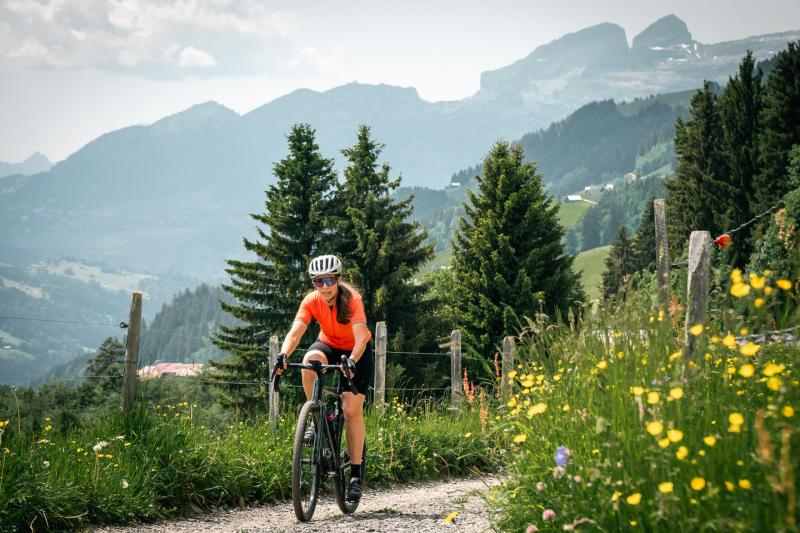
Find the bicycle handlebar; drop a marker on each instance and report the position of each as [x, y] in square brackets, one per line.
[318, 367]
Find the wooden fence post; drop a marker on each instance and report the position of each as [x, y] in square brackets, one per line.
[456, 383]
[509, 348]
[662, 251]
[274, 396]
[381, 340]
[131, 365]
[697, 286]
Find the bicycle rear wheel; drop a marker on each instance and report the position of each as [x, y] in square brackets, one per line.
[342, 483]
[306, 463]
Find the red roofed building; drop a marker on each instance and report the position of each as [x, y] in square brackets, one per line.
[170, 369]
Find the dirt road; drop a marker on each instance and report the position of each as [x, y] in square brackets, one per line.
[414, 507]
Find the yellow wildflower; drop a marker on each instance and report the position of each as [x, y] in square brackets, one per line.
[697, 483]
[512, 402]
[743, 331]
[729, 340]
[758, 302]
[729, 486]
[740, 289]
[682, 452]
[710, 441]
[787, 411]
[784, 284]
[768, 290]
[756, 281]
[735, 429]
[637, 391]
[602, 365]
[665, 487]
[634, 499]
[537, 409]
[774, 383]
[745, 484]
[565, 408]
[663, 443]
[653, 398]
[772, 369]
[449, 519]
[731, 370]
[616, 495]
[467, 435]
[676, 393]
[512, 374]
[736, 419]
[675, 435]
[749, 349]
[522, 437]
[655, 428]
[736, 275]
[696, 330]
[747, 370]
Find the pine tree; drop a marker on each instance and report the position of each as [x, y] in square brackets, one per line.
[781, 127]
[644, 241]
[109, 353]
[698, 197]
[508, 255]
[739, 105]
[590, 229]
[620, 263]
[381, 248]
[269, 289]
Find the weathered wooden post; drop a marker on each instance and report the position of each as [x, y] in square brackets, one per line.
[274, 395]
[381, 340]
[456, 385]
[131, 365]
[697, 284]
[509, 349]
[662, 251]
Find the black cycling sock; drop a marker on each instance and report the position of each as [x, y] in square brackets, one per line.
[355, 470]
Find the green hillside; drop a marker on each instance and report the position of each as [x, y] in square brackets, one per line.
[570, 214]
[591, 264]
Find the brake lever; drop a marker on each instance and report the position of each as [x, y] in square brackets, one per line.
[346, 374]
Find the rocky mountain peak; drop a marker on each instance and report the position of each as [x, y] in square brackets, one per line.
[664, 33]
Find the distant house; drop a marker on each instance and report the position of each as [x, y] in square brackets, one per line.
[454, 184]
[588, 188]
[608, 187]
[574, 198]
[170, 369]
[631, 176]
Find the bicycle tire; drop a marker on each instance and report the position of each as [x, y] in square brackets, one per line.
[306, 464]
[342, 481]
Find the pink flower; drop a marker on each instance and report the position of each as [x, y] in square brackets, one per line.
[540, 486]
[531, 529]
[548, 514]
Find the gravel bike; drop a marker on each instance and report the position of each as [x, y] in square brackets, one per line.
[320, 447]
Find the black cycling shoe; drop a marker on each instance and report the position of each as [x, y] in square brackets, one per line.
[309, 435]
[354, 490]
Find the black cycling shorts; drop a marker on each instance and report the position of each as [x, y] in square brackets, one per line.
[365, 366]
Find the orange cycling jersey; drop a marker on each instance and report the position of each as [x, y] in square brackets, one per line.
[333, 333]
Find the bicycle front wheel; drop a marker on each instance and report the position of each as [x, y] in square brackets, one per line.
[306, 462]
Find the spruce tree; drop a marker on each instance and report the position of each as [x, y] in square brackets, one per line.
[590, 229]
[110, 353]
[269, 288]
[619, 263]
[781, 127]
[508, 255]
[644, 241]
[739, 105]
[698, 197]
[381, 249]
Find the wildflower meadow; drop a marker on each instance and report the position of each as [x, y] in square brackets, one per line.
[614, 427]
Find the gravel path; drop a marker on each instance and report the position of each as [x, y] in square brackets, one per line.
[414, 507]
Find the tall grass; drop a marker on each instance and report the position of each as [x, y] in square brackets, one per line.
[159, 462]
[614, 427]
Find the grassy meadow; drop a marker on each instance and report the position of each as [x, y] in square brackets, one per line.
[162, 461]
[591, 265]
[615, 427]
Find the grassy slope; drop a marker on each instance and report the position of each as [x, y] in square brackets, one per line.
[591, 264]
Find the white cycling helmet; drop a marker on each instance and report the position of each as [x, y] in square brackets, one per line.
[325, 265]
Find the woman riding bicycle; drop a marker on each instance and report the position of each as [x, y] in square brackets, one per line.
[339, 309]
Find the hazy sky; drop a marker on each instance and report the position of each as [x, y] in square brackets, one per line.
[71, 70]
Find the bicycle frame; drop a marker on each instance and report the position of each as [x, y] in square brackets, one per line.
[330, 428]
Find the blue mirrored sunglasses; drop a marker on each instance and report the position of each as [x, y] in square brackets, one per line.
[328, 281]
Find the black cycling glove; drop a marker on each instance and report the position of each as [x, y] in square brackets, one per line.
[351, 365]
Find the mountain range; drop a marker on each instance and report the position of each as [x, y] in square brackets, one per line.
[174, 195]
[35, 163]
